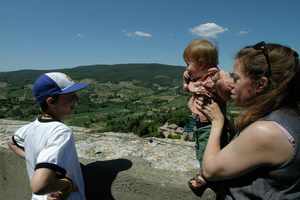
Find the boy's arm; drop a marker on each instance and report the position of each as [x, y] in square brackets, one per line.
[45, 181]
[50, 174]
[17, 146]
[17, 150]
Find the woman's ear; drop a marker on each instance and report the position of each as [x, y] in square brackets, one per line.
[261, 84]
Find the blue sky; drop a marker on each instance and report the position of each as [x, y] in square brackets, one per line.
[43, 34]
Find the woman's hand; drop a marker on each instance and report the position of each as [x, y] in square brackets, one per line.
[213, 112]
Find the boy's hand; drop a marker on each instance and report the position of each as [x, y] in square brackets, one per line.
[70, 187]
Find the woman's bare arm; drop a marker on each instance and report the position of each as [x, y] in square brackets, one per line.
[262, 143]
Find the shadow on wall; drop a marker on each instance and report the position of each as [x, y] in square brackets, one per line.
[100, 175]
[104, 181]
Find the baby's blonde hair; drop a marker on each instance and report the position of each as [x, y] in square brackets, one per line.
[201, 51]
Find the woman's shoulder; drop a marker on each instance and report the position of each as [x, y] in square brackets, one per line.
[266, 134]
[263, 128]
[285, 120]
[283, 113]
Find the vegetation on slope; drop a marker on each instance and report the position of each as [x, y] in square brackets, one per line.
[125, 98]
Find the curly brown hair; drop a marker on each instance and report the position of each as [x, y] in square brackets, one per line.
[201, 51]
[283, 85]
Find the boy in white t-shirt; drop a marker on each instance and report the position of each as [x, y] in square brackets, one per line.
[51, 158]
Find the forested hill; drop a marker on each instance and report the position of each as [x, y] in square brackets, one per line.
[147, 74]
[135, 98]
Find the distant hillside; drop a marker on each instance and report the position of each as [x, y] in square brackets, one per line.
[164, 75]
[135, 98]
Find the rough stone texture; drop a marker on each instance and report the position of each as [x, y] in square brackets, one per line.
[118, 166]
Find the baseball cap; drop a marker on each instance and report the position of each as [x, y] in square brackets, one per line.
[54, 83]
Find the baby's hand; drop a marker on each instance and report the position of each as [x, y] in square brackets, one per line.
[186, 80]
[198, 181]
[54, 196]
[186, 76]
[197, 88]
[198, 185]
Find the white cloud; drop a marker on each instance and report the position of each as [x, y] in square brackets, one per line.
[79, 36]
[138, 34]
[210, 30]
[243, 32]
[142, 34]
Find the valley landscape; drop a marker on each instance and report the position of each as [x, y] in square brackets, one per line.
[136, 98]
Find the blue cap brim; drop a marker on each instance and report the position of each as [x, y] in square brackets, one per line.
[74, 88]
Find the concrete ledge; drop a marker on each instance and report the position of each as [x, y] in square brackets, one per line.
[117, 166]
[119, 179]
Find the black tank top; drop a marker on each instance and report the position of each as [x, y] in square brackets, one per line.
[278, 183]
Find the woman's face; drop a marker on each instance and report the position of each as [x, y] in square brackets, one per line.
[243, 87]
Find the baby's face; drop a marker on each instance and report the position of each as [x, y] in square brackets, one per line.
[196, 70]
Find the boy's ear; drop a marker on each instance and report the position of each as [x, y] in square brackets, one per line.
[50, 100]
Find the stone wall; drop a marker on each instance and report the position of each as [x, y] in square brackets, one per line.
[118, 166]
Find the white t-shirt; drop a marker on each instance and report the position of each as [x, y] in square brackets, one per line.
[50, 144]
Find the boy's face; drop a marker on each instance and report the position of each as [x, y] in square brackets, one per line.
[64, 105]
